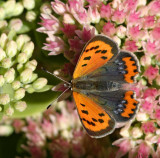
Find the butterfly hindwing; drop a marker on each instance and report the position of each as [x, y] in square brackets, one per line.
[121, 104]
[97, 52]
[94, 118]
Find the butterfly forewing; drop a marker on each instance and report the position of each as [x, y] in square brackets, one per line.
[93, 117]
[96, 53]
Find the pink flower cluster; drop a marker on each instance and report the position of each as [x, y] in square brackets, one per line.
[135, 26]
[58, 133]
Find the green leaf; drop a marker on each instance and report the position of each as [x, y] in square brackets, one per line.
[36, 103]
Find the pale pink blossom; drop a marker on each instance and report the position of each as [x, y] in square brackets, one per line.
[145, 60]
[150, 47]
[150, 92]
[93, 15]
[130, 45]
[151, 73]
[156, 33]
[154, 7]
[105, 11]
[144, 150]
[148, 127]
[69, 30]
[149, 22]
[133, 18]
[94, 3]
[109, 29]
[58, 7]
[119, 16]
[130, 5]
[147, 105]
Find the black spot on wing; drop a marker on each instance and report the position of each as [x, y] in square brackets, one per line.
[98, 51]
[87, 58]
[96, 47]
[101, 120]
[94, 119]
[103, 57]
[85, 112]
[84, 65]
[101, 114]
[82, 104]
[104, 51]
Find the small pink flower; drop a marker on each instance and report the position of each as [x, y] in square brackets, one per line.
[135, 33]
[37, 152]
[109, 29]
[105, 11]
[157, 113]
[94, 3]
[148, 105]
[124, 147]
[150, 92]
[148, 127]
[58, 7]
[130, 5]
[86, 34]
[82, 17]
[151, 73]
[144, 150]
[119, 16]
[149, 21]
[93, 15]
[154, 7]
[76, 44]
[69, 30]
[55, 45]
[18, 125]
[145, 60]
[133, 18]
[47, 127]
[75, 5]
[156, 33]
[131, 46]
[150, 47]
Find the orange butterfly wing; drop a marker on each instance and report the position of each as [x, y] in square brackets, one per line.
[97, 52]
[93, 117]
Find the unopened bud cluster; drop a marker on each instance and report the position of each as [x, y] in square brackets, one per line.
[11, 8]
[17, 72]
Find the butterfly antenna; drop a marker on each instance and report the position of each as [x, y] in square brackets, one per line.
[58, 97]
[54, 75]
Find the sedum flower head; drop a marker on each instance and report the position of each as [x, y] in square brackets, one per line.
[135, 26]
[17, 72]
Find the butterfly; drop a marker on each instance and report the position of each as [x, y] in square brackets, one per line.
[98, 86]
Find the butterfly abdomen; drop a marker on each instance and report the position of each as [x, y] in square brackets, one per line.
[91, 85]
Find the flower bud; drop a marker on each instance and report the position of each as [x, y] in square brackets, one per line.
[19, 94]
[11, 49]
[58, 7]
[31, 64]
[124, 132]
[4, 99]
[141, 116]
[30, 89]
[145, 60]
[3, 40]
[6, 130]
[26, 75]
[21, 40]
[3, 24]
[30, 16]
[18, 9]
[117, 40]
[9, 75]
[20, 67]
[121, 31]
[68, 19]
[39, 83]
[28, 49]
[34, 77]
[9, 111]
[22, 58]
[2, 81]
[16, 85]
[20, 106]
[136, 132]
[29, 4]
[16, 24]
[2, 54]
[2, 15]
[9, 6]
[6, 63]
[46, 8]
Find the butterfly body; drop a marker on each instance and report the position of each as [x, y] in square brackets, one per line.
[98, 86]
